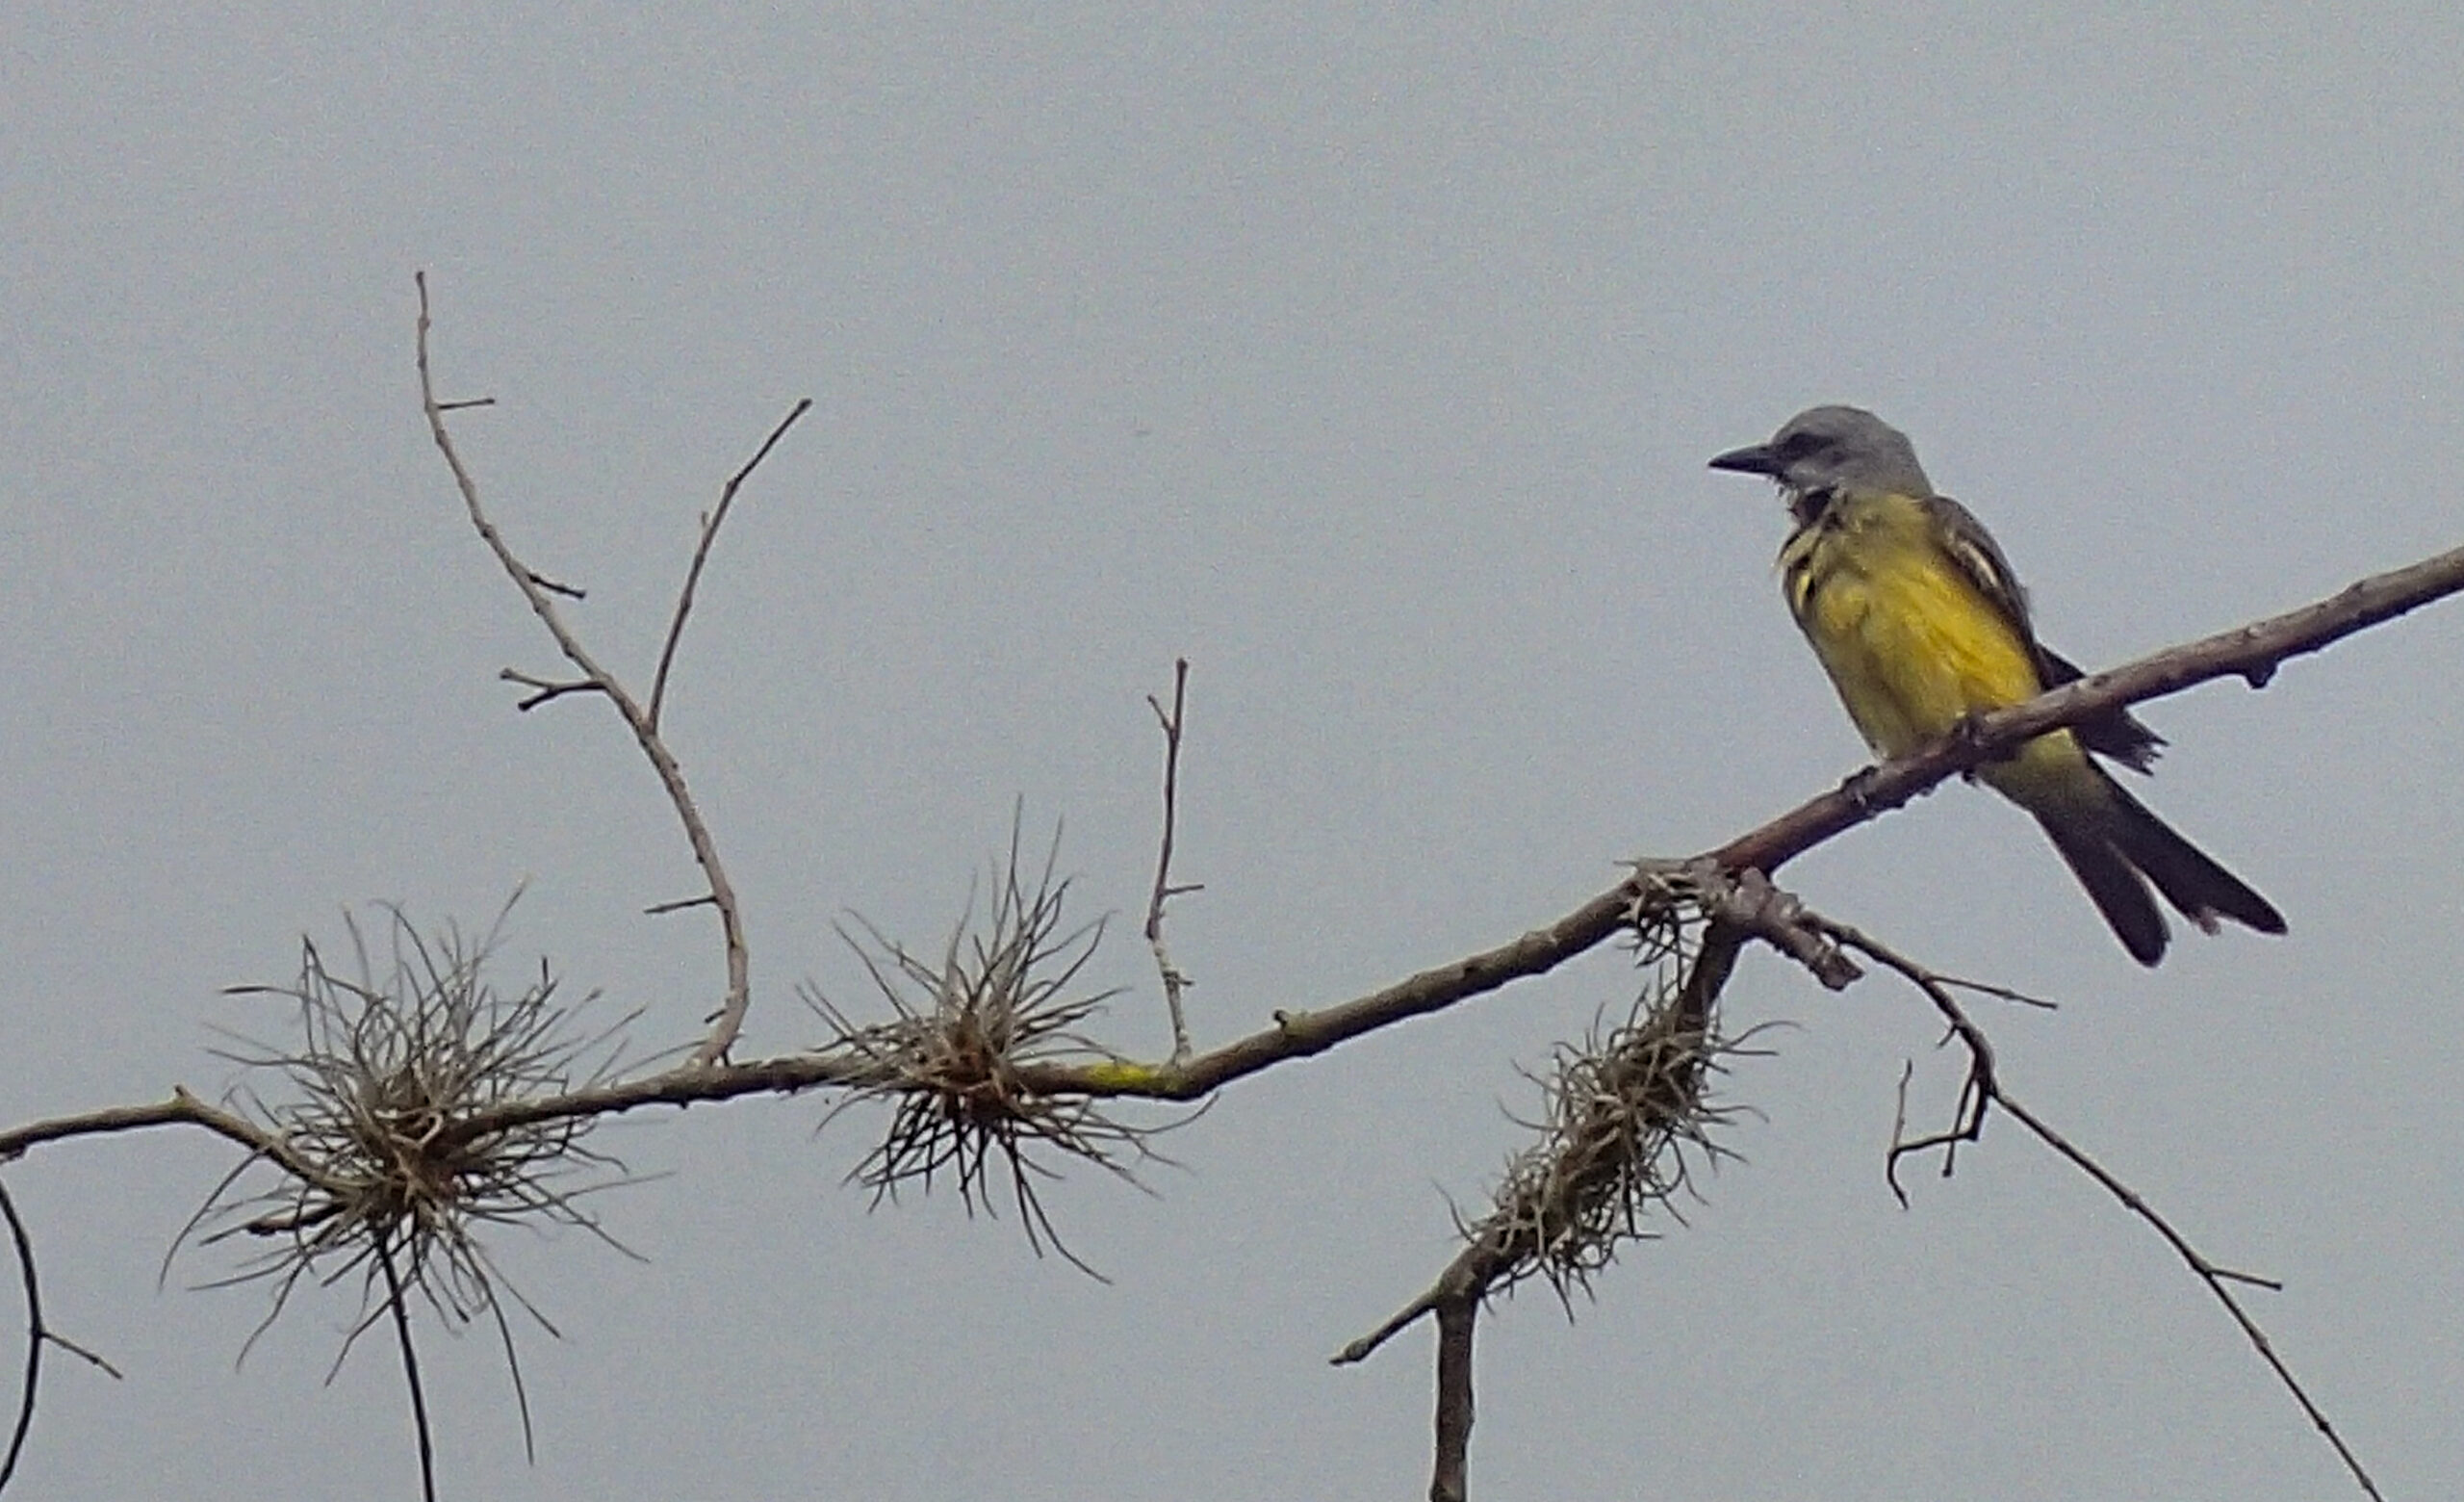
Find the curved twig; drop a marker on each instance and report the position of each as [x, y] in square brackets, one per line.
[182, 1109]
[33, 1335]
[711, 524]
[729, 1021]
[1984, 1090]
[394, 1303]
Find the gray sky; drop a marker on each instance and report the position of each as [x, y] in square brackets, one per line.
[1368, 356]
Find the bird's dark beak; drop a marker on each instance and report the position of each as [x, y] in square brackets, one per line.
[1755, 460]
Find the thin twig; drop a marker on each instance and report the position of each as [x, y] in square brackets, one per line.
[1176, 980]
[1984, 1089]
[676, 905]
[394, 1304]
[728, 1023]
[33, 1378]
[2216, 1277]
[1978, 1093]
[711, 524]
[548, 690]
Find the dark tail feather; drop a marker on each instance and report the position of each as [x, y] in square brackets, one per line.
[2112, 884]
[2201, 888]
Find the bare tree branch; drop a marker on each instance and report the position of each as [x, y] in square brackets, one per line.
[33, 1378]
[711, 524]
[2252, 651]
[1029, 1096]
[183, 1110]
[1175, 981]
[729, 1021]
[1983, 1092]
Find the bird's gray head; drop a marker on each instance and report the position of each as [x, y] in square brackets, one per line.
[1834, 447]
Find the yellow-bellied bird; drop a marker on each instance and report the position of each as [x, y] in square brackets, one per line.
[1920, 623]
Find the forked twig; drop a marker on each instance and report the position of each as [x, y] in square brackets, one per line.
[728, 1023]
[1176, 980]
[1983, 1091]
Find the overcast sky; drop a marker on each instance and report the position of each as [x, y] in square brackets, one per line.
[1368, 356]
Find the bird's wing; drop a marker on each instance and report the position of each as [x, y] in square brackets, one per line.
[2119, 733]
[1964, 541]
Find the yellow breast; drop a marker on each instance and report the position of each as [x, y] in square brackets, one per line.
[1909, 640]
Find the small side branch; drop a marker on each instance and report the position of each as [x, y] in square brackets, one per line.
[1983, 1092]
[1176, 980]
[711, 521]
[728, 1023]
[2220, 1281]
[397, 1308]
[35, 1336]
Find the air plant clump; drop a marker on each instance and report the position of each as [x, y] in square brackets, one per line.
[1622, 1111]
[382, 1104]
[1000, 999]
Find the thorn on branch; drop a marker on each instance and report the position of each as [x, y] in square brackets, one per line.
[466, 405]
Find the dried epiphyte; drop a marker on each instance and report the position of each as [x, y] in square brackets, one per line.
[1003, 996]
[1626, 1115]
[392, 1170]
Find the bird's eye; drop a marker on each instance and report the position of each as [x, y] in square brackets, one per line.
[1795, 447]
